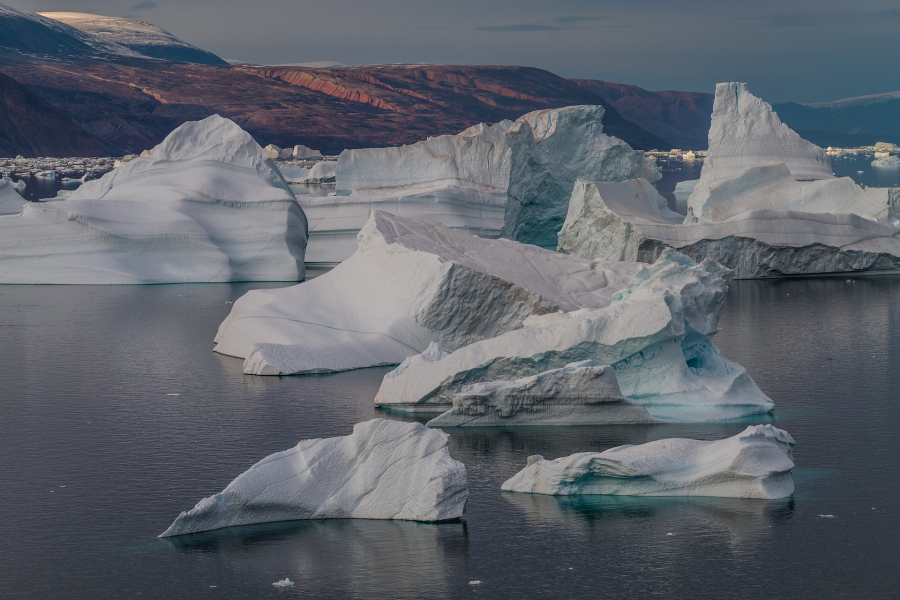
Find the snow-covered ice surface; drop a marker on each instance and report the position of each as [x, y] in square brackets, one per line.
[766, 204]
[383, 470]
[756, 463]
[206, 206]
[577, 394]
[11, 202]
[513, 178]
[410, 283]
[654, 330]
[149, 40]
[619, 221]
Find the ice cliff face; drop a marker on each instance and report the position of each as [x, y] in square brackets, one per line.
[619, 221]
[756, 463]
[11, 202]
[420, 283]
[383, 470]
[512, 178]
[551, 149]
[655, 334]
[746, 133]
[206, 205]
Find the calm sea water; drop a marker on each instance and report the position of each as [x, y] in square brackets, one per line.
[97, 457]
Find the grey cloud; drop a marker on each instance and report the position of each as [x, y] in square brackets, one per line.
[557, 24]
[145, 5]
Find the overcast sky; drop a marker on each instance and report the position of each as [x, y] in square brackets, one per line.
[804, 51]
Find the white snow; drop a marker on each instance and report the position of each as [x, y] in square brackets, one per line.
[655, 333]
[383, 470]
[756, 463]
[11, 202]
[207, 205]
[577, 394]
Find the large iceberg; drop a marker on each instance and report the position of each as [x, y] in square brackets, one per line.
[624, 221]
[756, 463]
[512, 178]
[766, 204]
[207, 205]
[383, 470]
[654, 331]
[11, 202]
[410, 283]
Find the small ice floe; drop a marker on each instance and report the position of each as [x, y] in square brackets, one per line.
[284, 583]
[173, 394]
[827, 516]
[475, 582]
[669, 534]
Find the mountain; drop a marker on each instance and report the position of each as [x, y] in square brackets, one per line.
[859, 121]
[144, 38]
[32, 127]
[134, 104]
[680, 118]
[37, 36]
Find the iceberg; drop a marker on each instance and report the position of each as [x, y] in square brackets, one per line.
[11, 202]
[383, 470]
[766, 204]
[577, 394]
[408, 284]
[301, 151]
[756, 463]
[683, 191]
[887, 161]
[206, 206]
[655, 333]
[620, 221]
[510, 179]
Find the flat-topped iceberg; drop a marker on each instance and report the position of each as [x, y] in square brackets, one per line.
[11, 202]
[621, 221]
[410, 283]
[756, 463]
[512, 178]
[887, 162]
[655, 334]
[383, 470]
[206, 205]
[577, 394]
[766, 204]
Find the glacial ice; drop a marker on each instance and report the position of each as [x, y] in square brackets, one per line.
[756, 463]
[383, 470]
[683, 191]
[408, 284]
[207, 205]
[766, 204]
[887, 161]
[11, 202]
[510, 177]
[655, 333]
[618, 221]
[301, 151]
[577, 394]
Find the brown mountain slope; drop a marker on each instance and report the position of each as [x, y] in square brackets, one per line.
[134, 105]
[31, 126]
[681, 118]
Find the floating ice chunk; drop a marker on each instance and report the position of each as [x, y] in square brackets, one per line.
[475, 582]
[301, 151]
[683, 191]
[619, 221]
[383, 470]
[577, 394]
[322, 172]
[207, 205]
[756, 463]
[887, 161]
[293, 173]
[11, 202]
[409, 284]
[284, 583]
[655, 334]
